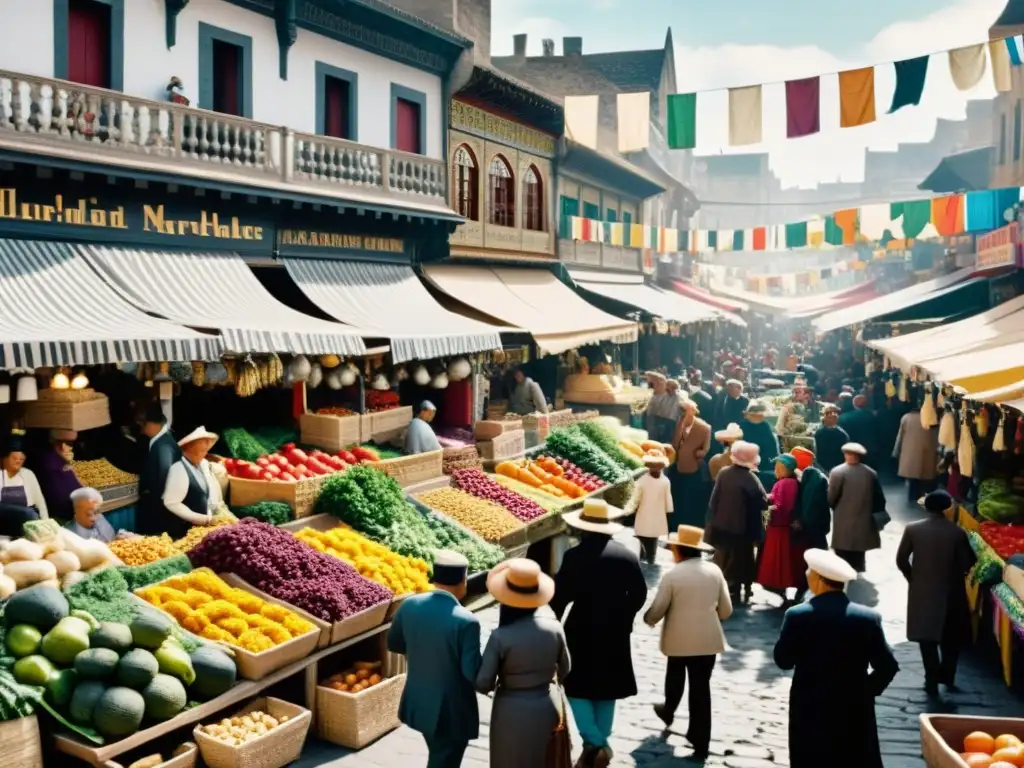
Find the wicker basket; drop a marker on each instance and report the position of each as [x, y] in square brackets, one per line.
[20, 744]
[942, 736]
[504, 446]
[301, 495]
[275, 749]
[330, 433]
[409, 470]
[77, 410]
[497, 409]
[389, 424]
[354, 720]
[187, 759]
[460, 458]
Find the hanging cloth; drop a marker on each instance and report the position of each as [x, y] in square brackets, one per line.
[803, 107]
[947, 431]
[917, 214]
[634, 113]
[682, 120]
[796, 235]
[981, 214]
[847, 222]
[929, 418]
[745, 116]
[947, 214]
[581, 120]
[967, 67]
[910, 78]
[1001, 67]
[760, 238]
[857, 97]
[965, 450]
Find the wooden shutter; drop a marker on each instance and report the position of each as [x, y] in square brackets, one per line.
[89, 43]
[407, 127]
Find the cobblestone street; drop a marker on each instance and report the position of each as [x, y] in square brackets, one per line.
[750, 692]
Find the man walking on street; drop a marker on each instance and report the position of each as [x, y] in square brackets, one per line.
[855, 494]
[841, 664]
[935, 557]
[441, 642]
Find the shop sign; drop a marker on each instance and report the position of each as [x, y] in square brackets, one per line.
[111, 219]
[481, 123]
[309, 242]
[998, 248]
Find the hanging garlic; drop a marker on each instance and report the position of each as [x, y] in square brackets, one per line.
[965, 451]
[947, 431]
[379, 383]
[981, 420]
[902, 393]
[890, 389]
[421, 376]
[999, 441]
[929, 418]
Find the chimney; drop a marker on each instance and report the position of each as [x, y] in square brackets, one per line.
[519, 45]
[572, 46]
[549, 46]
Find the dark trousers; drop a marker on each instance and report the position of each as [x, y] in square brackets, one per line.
[918, 488]
[698, 669]
[445, 753]
[648, 548]
[940, 660]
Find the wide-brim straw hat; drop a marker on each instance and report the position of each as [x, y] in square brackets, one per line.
[731, 432]
[855, 448]
[520, 583]
[199, 433]
[656, 460]
[689, 537]
[598, 518]
[744, 454]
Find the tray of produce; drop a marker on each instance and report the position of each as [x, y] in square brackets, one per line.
[267, 733]
[102, 475]
[487, 519]
[953, 741]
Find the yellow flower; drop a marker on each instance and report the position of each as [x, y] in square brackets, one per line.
[178, 609]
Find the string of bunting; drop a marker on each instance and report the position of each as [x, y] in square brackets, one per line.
[967, 66]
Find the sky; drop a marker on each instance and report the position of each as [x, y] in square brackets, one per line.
[732, 43]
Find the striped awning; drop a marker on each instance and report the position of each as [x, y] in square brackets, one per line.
[633, 291]
[55, 310]
[219, 291]
[389, 301]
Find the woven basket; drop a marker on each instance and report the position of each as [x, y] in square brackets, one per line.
[408, 470]
[354, 720]
[460, 458]
[330, 433]
[504, 446]
[20, 745]
[942, 736]
[275, 749]
[76, 410]
[301, 495]
[187, 759]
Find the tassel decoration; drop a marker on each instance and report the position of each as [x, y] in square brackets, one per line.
[965, 450]
[929, 418]
[947, 431]
[999, 441]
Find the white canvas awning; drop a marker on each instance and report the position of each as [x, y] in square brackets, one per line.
[631, 290]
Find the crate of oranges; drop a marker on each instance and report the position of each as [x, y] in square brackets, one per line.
[956, 741]
[358, 706]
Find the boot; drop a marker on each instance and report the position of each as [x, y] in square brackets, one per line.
[663, 715]
[586, 759]
[603, 758]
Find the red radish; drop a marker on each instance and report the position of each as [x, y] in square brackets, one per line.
[266, 476]
[274, 470]
[286, 477]
[263, 461]
[348, 457]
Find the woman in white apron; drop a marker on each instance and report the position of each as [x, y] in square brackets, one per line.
[21, 498]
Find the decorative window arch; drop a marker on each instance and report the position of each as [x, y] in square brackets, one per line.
[533, 200]
[503, 192]
[466, 183]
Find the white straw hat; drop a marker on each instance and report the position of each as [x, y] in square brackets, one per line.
[199, 433]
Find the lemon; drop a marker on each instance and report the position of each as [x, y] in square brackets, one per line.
[23, 640]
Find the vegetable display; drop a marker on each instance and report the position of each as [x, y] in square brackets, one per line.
[54, 557]
[143, 549]
[477, 483]
[100, 473]
[144, 575]
[204, 604]
[1005, 540]
[544, 500]
[236, 731]
[242, 445]
[998, 503]
[105, 596]
[381, 400]
[481, 555]
[988, 568]
[196, 534]
[572, 445]
[363, 675]
[272, 512]
[608, 442]
[402, 575]
[488, 520]
[336, 410]
[275, 562]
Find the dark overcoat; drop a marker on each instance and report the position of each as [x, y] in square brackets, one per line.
[151, 518]
[602, 580]
[935, 556]
[828, 447]
[841, 663]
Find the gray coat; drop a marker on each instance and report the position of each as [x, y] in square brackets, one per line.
[935, 556]
[916, 448]
[520, 662]
[851, 494]
[736, 506]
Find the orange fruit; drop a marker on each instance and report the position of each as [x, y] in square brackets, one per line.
[1007, 740]
[979, 741]
[977, 759]
[1001, 764]
[1011, 755]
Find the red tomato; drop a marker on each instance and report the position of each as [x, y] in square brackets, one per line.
[286, 477]
[266, 476]
[274, 469]
[263, 461]
[280, 460]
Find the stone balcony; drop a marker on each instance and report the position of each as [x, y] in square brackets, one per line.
[586, 254]
[45, 116]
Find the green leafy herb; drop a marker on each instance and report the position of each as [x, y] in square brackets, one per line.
[571, 444]
[272, 512]
[242, 445]
[604, 439]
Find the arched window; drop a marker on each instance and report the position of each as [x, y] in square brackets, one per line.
[466, 184]
[533, 199]
[503, 193]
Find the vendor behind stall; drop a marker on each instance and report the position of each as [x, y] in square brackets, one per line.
[88, 522]
[663, 410]
[56, 476]
[21, 498]
[192, 495]
[161, 452]
[421, 438]
[526, 396]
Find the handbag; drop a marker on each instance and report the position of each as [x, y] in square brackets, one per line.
[559, 754]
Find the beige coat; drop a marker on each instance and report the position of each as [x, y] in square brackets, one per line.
[917, 448]
[693, 599]
[688, 442]
[652, 503]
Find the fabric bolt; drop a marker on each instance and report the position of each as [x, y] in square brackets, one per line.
[847, 222]
[1013, 49]
[967, 66]
[634, 111]
[803, 107]
[916, 215]
[737, 240]
[911, 75]
[856, 97]
[615, 234]
[947, 214]
[682, 120]
[594, 720]
[745, 116]
[796, 235]
[760, 238]
[1000, 56]
[581, 120]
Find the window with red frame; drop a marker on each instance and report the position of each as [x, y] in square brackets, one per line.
[503, 192]
[407, 127]
[89, 43]
[337, 108]
[533, 199]
[227, 78]
[466, 184]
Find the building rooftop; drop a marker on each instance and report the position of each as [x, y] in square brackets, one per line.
[746, 164]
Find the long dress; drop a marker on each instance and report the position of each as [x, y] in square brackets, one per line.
[776, 568]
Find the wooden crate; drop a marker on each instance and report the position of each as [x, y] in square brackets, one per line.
[409, 470]
[942, 736]
[489, 429]
[505, 446]
[388, 425]
[56, 411]
[301, 495]
[330, 433]
[20, 745]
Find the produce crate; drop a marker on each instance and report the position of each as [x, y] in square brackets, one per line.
[389, 424]
[942, 736]
[497, 409]
[538, 422]
[301, 495]
[330, 433]
[354, 720]
[504, 446]
[187, 759]
[408, 470]
[275, 749]
[77, 410]
[20, 744]
[460, 458]
[490, 429]
[564, 418]
[324, 637]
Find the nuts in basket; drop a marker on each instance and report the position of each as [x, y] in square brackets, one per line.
[238, 730]
[365, 674]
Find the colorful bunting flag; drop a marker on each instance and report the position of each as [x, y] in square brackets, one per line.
[581, 120]
[1014, 47]
[616, 233]
[634, 117]
[745, 116]
[682, 120]
[712, 240]
[856, 97]
[847, 221]
[803, 114]
[737, 240]
[636, 236]
[911, 75]
[947, 215]
[796, 234]
[967, 66]
[760, 238]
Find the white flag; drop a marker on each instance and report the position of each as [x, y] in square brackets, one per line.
[634, 110]
[581, 120]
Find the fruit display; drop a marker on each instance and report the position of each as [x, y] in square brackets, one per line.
[585, 481]
[275, 562]
[981, 750]
[489, 520]
[58, 555]
[205, 605]
[478, 484]
[573, 446]
[359, 677]
[241, 729]
[336, 410]
[1006, 540]
[608, 442]
[402, 575]
[142, 550]
[381, 400]
[100, 473]
[544, 500]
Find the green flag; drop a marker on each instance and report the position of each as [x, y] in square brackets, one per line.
[682, 120]
[796, 235]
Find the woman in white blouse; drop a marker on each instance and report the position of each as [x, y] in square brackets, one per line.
[192, 494]
[21, 498]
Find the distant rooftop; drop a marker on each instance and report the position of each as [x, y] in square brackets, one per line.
[749, 164]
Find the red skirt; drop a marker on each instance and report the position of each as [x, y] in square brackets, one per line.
[780, 560]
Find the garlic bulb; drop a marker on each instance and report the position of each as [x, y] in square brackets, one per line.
[929, 418]
[440, 381]
[459, 369]
[333, 378]
[999, 441]
[347, 376]
[947, 431]
[379, 383]
[316, 375]
[299, 368]
[421, 376]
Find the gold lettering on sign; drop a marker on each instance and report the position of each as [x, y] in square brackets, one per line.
[207, 225]
[479, 121]
[84, 212]
[313, 239]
